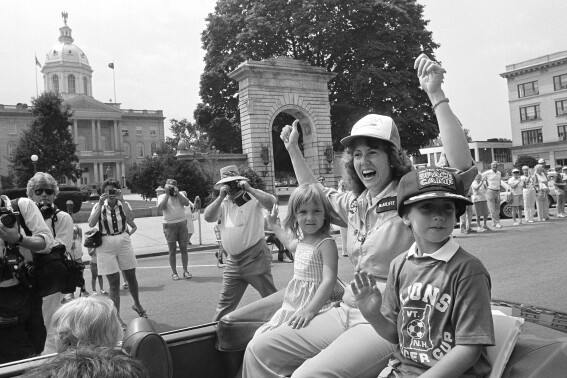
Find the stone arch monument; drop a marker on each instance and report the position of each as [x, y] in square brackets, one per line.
[272, 86]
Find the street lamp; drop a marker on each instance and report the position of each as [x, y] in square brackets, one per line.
[265, 155]
[330, 156]
[34, 160]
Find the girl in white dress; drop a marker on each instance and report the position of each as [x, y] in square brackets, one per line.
[314, 286]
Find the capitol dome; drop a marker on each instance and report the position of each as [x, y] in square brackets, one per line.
[67, 70]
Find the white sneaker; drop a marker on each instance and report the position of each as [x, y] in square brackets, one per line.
[498, 225]
[515, 224]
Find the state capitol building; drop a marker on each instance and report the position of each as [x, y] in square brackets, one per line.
[109, 139]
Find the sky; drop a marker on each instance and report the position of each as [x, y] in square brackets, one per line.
[156, 50]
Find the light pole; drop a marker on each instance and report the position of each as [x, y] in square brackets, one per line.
[34, 160]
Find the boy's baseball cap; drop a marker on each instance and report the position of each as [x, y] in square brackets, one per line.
[541, 161]
[431, 183]
[515, 170]
[374, 126]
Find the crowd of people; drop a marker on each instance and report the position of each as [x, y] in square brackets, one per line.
[397, 226]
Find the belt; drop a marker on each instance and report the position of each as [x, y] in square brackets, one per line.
[113, 234]
[496, 190]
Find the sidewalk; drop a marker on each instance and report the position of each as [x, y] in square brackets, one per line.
[149, 241]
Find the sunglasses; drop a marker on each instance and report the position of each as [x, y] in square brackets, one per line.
[39, 192]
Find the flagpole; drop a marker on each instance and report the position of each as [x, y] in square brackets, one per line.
[114, 80]
[36, 90]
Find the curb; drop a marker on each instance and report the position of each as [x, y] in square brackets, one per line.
[204, 247]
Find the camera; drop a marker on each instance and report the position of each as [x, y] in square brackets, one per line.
[112, 192]
[171, 191]
[241, 198]
[8, 217]
[47, 209]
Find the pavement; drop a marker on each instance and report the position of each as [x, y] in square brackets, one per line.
[149, 241]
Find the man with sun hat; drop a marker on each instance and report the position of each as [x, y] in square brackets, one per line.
[238, 210]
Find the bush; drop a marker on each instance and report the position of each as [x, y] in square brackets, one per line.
[63, 197]
[15, 193]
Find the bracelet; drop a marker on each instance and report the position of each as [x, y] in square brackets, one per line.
[446, 99]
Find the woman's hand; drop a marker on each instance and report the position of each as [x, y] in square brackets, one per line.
[290, 135]
[103, 197]
[272, 217]
[430, 74]
[301, 319]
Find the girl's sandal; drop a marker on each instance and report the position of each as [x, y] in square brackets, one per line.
[187, 275]
[141, 314]
[175, 277]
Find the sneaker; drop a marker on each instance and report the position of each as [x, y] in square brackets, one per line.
[103, 292]
[486, 228]
[125, 285]
[85, 293]
[187, 275]
[515, 224]
[480, 229]
[498, 225]
[530, 221]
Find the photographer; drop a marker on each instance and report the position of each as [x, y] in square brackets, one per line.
[173, 204]
[42, 189]
[239, 210]
[112, 215]
[22, 332]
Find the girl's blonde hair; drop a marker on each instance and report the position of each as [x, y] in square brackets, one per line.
[302, 194]
[87, 321]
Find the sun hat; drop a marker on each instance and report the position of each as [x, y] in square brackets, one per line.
[515, 170]
[171, 182]
[227, 174]
[525, 167]
[374, 126]
[431, 183]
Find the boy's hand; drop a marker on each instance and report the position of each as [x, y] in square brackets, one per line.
[290, 135]
[301, 319]
[430, 74]
[366, 294]
[272, 217]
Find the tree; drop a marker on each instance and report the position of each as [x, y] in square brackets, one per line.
[370, 44]
[197, 138]
[49, 138]
[522, 160]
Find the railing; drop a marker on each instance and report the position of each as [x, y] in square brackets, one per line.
[86, 153]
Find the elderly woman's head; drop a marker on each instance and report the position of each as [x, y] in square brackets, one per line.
[42, 187]
[538, 168]
[87, 321]
[373, 157]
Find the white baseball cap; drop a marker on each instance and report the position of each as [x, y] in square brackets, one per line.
[541, 161]
[374, 126]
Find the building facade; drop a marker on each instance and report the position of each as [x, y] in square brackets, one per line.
[537, 96]
[109, 139]
[482, 152]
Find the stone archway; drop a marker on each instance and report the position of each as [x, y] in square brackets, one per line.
[272, 86]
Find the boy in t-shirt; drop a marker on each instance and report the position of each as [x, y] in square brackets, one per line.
[436, 304]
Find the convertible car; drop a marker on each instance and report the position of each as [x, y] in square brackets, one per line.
[531, 342]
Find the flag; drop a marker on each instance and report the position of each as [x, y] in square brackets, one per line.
[37, 62]
[111, 65]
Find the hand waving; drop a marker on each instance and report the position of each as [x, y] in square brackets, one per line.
[430, 74]
[366, 293]
[290, 135]
[272, 217]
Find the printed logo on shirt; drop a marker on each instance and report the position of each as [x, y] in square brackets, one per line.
[387, 204]
[436, 177]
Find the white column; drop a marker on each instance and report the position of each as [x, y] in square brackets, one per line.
[75, 131]
[476, 154]
[118, 173]
[98, 134]
[95, 173]
[94, 142]
[120, 138]
[116, 148]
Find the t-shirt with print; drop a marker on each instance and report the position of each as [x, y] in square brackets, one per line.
[438, 304]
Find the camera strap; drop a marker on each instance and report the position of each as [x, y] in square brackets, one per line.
[22, 223]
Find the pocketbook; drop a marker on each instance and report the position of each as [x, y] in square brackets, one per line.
[93, 238]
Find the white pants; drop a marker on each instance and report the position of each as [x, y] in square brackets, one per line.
[529, 203]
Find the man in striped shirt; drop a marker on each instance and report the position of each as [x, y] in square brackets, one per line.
[112, 215]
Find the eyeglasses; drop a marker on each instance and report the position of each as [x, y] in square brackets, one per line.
[39, 192]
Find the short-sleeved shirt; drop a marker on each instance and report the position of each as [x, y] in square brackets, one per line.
[529, 181]
[241, 227]
[493, 179]
[478, 191]
[62, 229]
[174, 211]
[519, 188]
[439, 301]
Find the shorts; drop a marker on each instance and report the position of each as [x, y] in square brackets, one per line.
[115, 254]
[176, 232]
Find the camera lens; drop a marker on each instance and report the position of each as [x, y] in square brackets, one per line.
[46, 210]
[8, 220]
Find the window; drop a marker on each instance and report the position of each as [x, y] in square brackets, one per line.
[153, 131]
[71, 83]
[126, 149]
[140, 150]
[529, 113]
[532, 137]
[85, 86]
[139, 131]
[527, 89]
[55, 80]
[153, 148]
[82, 143]
[12, 128]
[560, 82]
[502, 155]
[125, 132]
[562, 132]
[560, 107]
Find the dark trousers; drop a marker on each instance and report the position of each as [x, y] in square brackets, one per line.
[251, 267]
[26, 338]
